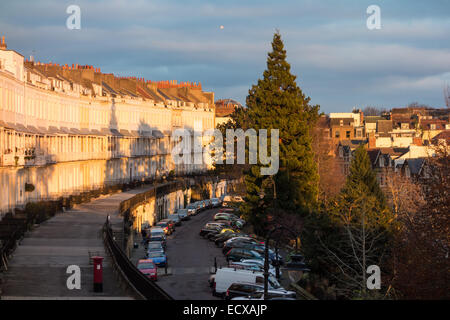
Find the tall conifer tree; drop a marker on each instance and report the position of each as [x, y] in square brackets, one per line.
[276, 102]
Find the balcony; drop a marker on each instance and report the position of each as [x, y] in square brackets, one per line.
[8, 160]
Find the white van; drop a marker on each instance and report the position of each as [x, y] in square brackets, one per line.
[225, 277]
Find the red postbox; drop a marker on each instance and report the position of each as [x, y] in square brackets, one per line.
[98, 274]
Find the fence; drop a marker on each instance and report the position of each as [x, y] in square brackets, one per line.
[8, 247]
[138, 281]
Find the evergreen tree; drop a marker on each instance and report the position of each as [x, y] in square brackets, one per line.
[276, 102]
[361, 175]
[350, 232]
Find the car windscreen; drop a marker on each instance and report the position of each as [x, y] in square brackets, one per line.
[162, 224]
[146, 265]
[155, 254]
[156, 239]
[157, 234]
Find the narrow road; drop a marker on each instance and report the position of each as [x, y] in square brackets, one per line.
[191, 257]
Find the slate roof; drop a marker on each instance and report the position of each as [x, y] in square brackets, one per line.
[415, 165]
[384, 126]
[373, 155]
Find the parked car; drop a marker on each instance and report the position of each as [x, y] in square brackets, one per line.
[199, 205]
[175, 218]
[157, 238]
[220, 240]
[243, 238]
[214, 237]
[166, 226]
[148, 267]
[183, 214]
[242, 289]
[159, 258]
[210, 228]
[227, 210]
[170, 222]
[249, 265]
[215, 202]
[245, 266]
[155, 246]
[156, 229]
[239, 223]
[157, 232]
[237, 242]
[222, 224]
[225, 216]
[225, 277]
[208, 203]
[221, 231]
[259, 248]
[277, 294]
[229, 200]
[237, 254]
[212, 234]
[225, 223]
[202, 205]
[192, 209]
[258, 262]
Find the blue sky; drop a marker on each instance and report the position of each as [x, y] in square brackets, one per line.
[339, 63]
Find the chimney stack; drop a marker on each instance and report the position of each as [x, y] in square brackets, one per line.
[3, 44]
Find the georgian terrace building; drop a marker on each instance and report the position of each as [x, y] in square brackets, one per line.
[71, 129]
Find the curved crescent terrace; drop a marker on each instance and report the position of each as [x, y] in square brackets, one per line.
[82, 129]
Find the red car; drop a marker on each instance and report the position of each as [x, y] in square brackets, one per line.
[147, 267]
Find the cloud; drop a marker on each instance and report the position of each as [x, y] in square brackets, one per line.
[433, 82]
[372, 59]
[338, 61]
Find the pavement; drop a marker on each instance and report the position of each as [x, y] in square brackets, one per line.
[38, 267]
[190, 258]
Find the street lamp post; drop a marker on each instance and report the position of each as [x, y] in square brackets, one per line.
[294, 267]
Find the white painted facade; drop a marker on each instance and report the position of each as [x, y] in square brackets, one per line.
[64, 138]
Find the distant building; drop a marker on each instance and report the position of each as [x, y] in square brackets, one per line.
[442, 138]
[224, 109]
[345, 153]
[347, 126]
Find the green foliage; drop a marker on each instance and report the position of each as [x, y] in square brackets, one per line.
[276, 102]
[362, 176]
[41, 211]
[351, 232]
[253, 206]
